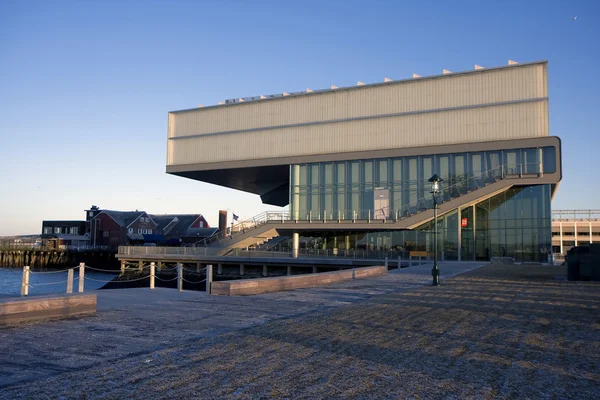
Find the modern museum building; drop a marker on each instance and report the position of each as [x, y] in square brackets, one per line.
[353, 164]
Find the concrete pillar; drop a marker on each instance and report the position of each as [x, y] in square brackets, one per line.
[295, 244]
[198, 267]
[591, 240]
[289, 270]
[219, 269]
[575, 229]
[122, 267]
[386, 262]
[242, 269]
[70, 280]
[347, 239]
[264, 270]
[140, 265]
[152, 265]
[81, 276]
[180, 277]
[314, 270]
[209, 277]
[561, 237]
[25, 281]
[160, 266]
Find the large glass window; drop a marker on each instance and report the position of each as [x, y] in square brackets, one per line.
[348, 189]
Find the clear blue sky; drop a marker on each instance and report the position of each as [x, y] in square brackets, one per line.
[85, 86]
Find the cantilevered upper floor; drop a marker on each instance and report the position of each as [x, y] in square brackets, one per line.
[250, 143]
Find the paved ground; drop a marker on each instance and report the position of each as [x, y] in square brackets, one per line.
[494, 332]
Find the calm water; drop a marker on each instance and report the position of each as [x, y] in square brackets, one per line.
[10, 281]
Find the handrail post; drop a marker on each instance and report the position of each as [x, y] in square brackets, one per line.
[152, 265]
[25, 281]
[179, 277]
[209, 277]
[81, 276]
[70, 280]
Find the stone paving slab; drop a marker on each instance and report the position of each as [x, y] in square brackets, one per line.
[135, 321]
[494, 332]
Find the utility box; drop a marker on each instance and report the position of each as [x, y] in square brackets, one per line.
[583, 263]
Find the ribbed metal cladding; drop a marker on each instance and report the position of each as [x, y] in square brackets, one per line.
[449, 91]
[500, 122]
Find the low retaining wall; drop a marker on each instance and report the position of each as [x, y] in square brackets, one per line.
[246, 287]
[46, 307]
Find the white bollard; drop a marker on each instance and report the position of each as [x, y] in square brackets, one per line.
[152, 265]
[81, 276]
[180, 277]
[70, 280]
[209, 277]
[25, 281]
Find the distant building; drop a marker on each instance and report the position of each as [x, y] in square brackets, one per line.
[572, 228]
[65, 234]
[111, 228]
[118, 228]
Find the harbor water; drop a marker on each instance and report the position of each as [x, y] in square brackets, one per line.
[49, 282]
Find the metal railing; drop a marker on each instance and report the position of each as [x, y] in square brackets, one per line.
[461, 185]
[150, 251]
[26, 283]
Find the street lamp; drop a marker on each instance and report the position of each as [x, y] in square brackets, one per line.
[435, 190]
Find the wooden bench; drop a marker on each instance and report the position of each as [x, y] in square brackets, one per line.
[14, 311]
[246, 287]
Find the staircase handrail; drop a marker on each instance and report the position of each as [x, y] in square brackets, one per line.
[446, 193]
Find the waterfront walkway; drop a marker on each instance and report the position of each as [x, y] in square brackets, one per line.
[496, 331]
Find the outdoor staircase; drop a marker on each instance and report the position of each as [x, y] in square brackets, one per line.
[263, 227]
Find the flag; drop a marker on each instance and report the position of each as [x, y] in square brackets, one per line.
[235, 217]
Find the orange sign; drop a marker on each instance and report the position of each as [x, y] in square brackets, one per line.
[464, 222]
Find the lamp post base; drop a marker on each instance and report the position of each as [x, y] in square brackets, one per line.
[435, 272]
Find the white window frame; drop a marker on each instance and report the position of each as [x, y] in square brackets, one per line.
[130, 230]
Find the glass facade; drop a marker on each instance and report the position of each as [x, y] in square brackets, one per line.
[515, 223]
[390, 188]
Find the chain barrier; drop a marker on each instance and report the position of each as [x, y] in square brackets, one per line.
[193, 270]
[128, 280]
[185, 280]
[165, 280]
[46, 283]
[49, 272]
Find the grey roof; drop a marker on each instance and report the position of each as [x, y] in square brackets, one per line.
[179, 229]
[123, 218]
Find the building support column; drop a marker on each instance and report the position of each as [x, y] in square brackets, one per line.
[459, 223]
[219, 269]
[591, 232]
[474, 234]
[242, 269]
[347, 239]
[575, 229]
[295, 244]
[289, 270]
[295, 182]
[561, 238]
[265, 270]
